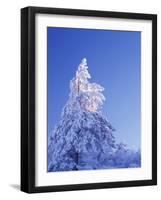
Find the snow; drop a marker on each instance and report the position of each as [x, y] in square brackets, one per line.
[83, 139]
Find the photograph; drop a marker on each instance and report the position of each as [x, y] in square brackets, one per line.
[93, 99]
[89, 99]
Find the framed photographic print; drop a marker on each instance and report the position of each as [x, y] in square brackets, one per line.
[88, 99]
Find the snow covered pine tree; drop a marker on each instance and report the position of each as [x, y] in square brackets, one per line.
[83, 139]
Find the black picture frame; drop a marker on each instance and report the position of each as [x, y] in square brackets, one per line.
[28, 98]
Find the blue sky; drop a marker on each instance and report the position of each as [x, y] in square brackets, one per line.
[114, 62]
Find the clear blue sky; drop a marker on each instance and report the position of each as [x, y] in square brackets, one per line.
[114, 62]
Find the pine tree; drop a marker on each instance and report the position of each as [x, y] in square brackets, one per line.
[83, 138]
